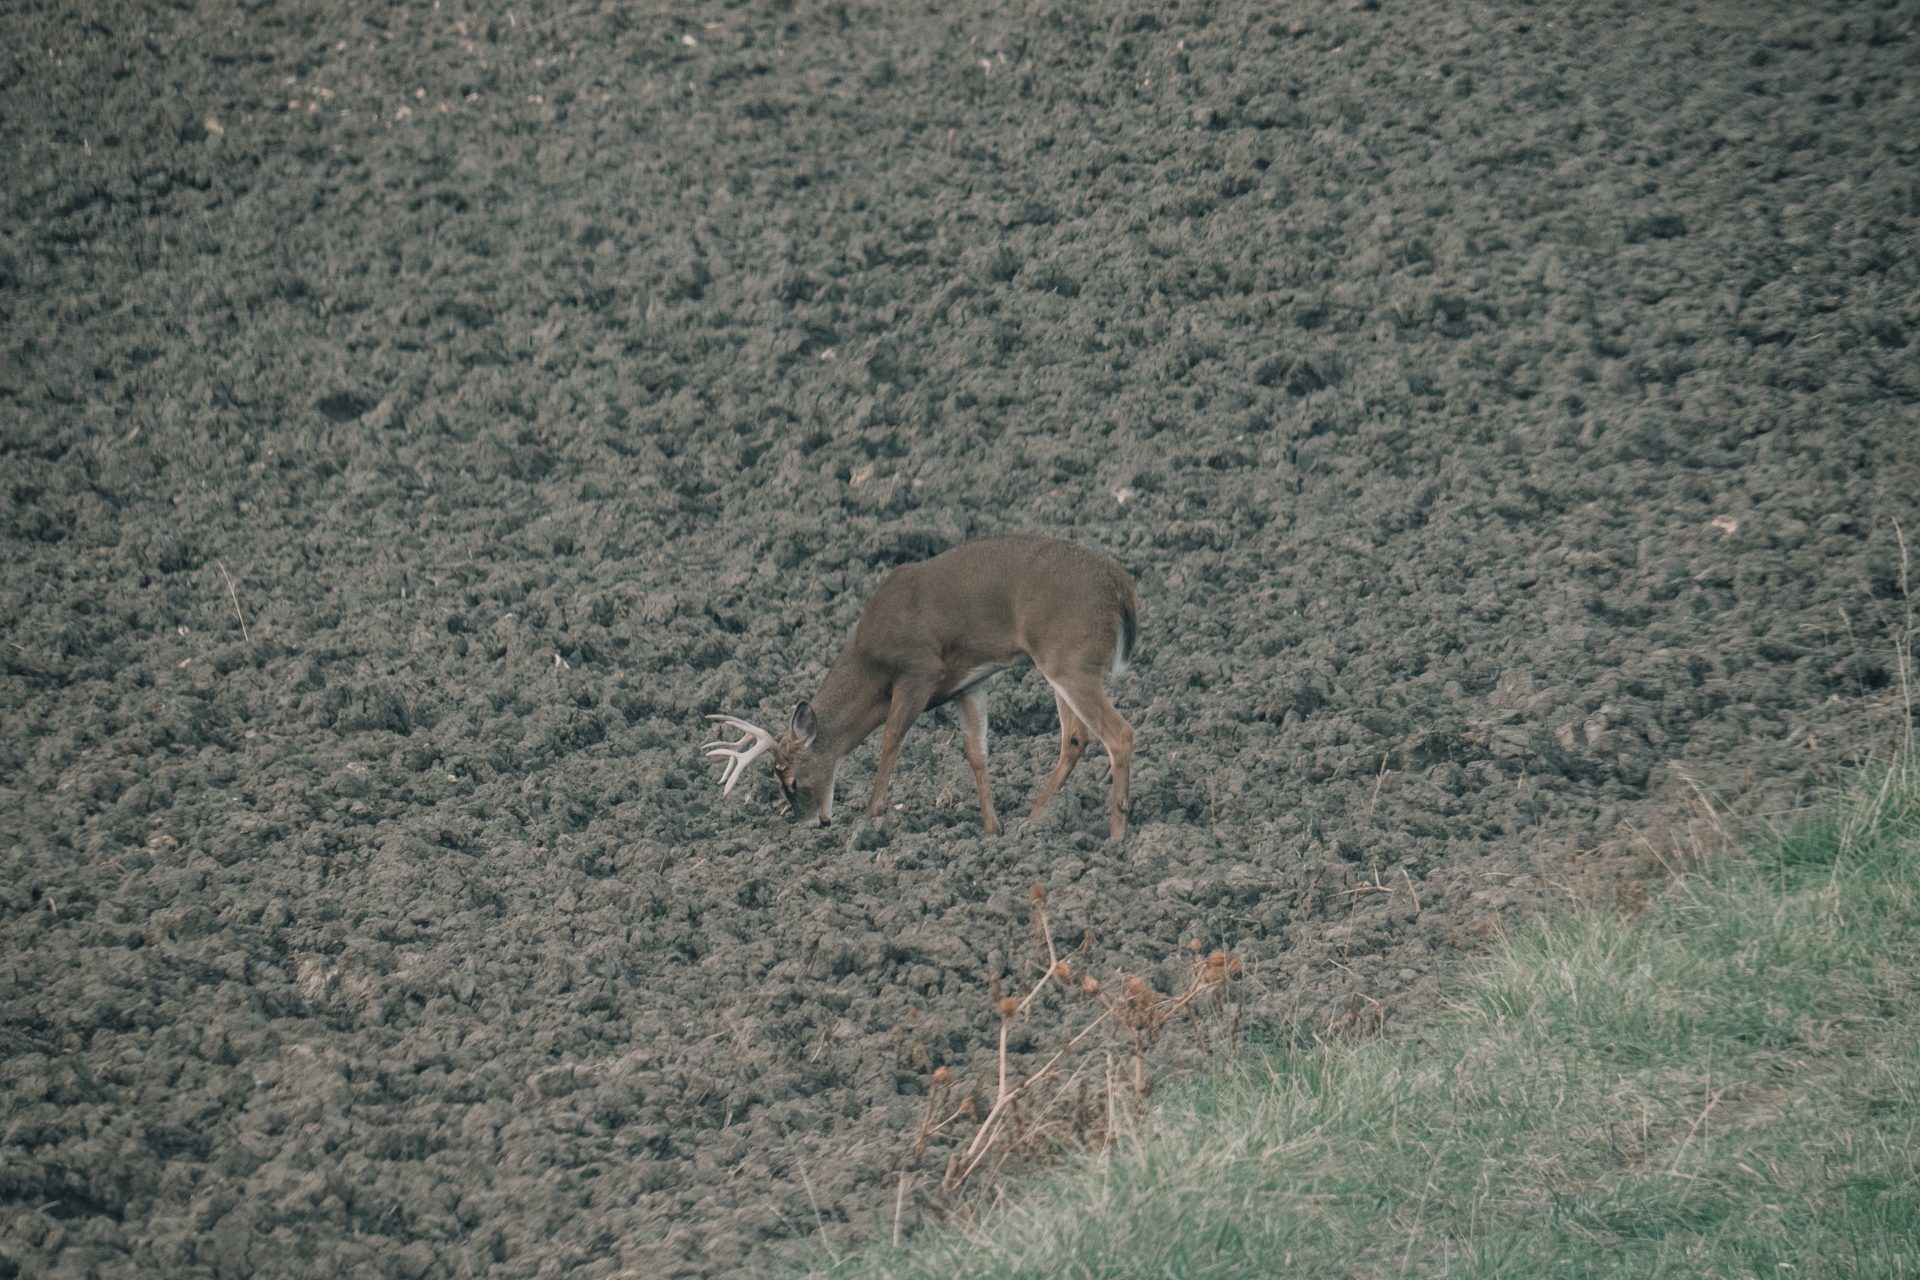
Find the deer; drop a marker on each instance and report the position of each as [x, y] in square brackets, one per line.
[935, 632]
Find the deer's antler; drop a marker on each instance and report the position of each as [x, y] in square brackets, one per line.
[738, 754]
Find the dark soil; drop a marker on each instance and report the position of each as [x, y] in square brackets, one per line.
[416, 421]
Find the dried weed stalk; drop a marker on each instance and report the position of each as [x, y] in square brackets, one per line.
[1076, 1099]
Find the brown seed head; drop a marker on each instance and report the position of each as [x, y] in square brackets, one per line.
[941, 1075]
[1193, 945]
[1136, 986]
[1008, 1007]
[1038, 894]
[1090, 984]
[1062, 970]
[1218, 960]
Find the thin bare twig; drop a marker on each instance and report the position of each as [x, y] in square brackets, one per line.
[235, 597]
[819, 1219]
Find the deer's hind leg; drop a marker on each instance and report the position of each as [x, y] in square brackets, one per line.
[1073, 745]
[1086, 697]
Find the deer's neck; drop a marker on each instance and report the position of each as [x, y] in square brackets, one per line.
[851, 703]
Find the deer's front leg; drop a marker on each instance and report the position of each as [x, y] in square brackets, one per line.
[973, 720]
[910, 698]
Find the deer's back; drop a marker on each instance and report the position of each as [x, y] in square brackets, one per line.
[991, 600]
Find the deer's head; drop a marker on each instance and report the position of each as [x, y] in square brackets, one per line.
[804, 774]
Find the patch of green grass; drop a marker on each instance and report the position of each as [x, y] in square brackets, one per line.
[1728, 1085]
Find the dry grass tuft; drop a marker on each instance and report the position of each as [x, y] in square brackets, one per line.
[1092, 1089]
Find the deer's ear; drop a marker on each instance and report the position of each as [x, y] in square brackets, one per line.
[805, 725]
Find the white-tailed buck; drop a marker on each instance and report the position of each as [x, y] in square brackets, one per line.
[936, 631]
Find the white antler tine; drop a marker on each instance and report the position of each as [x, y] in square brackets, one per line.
[736, 767]
[738, 754]
[753, 732]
